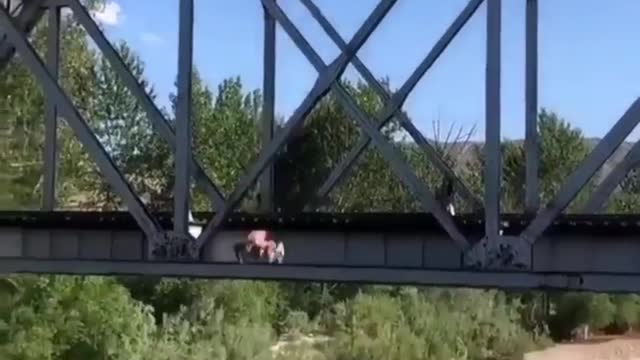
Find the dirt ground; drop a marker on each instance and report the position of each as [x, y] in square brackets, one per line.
[597, 348]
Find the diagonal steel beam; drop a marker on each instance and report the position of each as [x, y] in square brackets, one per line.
[327, 76]
[342, 170]
[390, 153]
[584, 172]
[31, 12]
[156, 117]
[75, 120]
[613, 179]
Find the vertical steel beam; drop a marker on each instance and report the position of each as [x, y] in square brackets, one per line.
[79, 125]
[50, 156]
[493, 165]
[532, 198]
[579, 178]
[268, 108]
[613, 179]
[183, 119]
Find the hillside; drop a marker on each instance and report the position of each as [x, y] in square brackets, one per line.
[465, 153]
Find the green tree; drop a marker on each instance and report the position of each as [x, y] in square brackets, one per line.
[328, 134]
[124, 130]
[62, 317]
[626, 198]
[562, 149]
[626, 314]
[576, 309]
[225, 131]
[22, 114]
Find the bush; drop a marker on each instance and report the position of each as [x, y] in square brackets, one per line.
[575, 309]
[459, 324]
[297, 322]
[627, 310]
[259, 302]
[63, 317]
[203, 332]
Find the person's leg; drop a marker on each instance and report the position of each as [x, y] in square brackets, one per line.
[238, 248]
[279, 252]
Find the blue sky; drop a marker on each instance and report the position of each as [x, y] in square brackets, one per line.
[589, 59]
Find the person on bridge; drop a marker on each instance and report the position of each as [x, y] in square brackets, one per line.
[261, 244]
[445, 194]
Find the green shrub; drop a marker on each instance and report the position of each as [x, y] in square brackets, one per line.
[575, 309]
[460, 324]
[203, 332]
[297, 322]
[64, 317]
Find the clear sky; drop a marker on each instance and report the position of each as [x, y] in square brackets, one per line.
[589, 57]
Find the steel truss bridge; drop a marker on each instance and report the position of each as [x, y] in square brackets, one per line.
[541, 249]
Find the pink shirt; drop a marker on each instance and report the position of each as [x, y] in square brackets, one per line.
[261, 238]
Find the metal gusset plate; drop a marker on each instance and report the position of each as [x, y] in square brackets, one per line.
[156, 117]
[342, 170]
[389, 153]
[83, 132]
[327, 76]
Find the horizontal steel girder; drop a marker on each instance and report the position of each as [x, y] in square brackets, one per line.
[575, 254]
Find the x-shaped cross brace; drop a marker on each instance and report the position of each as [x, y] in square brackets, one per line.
[342, 170]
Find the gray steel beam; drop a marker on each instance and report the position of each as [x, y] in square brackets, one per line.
[56, 2]
[493, 163]
[421, 277]
[325, 79]
[389, 153]
[532, 151]
[268, 108]
[397, 99]
[577, 249]
[156, 117]
[612, 180]
[342, 170]
[79, 126]
[183, 120]
[30, 13]
[579, 178]
[50, 153]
